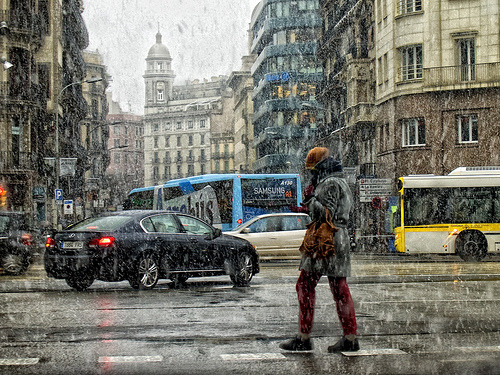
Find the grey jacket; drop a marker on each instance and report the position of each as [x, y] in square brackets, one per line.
[332, 192]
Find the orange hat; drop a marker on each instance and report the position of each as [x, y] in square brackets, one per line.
[316, 155]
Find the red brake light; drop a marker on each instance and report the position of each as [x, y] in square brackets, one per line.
[50, 242]
[27, 239]
[102, 242]
[239, 221]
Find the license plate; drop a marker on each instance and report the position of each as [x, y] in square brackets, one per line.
[72, 245]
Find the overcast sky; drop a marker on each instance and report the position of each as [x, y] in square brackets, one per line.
[205, 38]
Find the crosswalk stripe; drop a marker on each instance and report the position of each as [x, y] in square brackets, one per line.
[369, 352]
[252, 356]
[18, 361]
[128, 359]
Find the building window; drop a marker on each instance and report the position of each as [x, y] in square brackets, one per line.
[202, 123]
[190, 124]
[411, 63]
[167, 126]
[202, 154]
[226, 165]
[159, 95]
[467, 59]
[44, 12]
[155, 158]
[167, 141]
[178, 141]
[410, 6]
[116, 142]
[467, 129]
[156, 127]
[116, 130]
[413, 132]
[179, 156]
[155, 142]
[202, 168]
[190, 170]
[202, 139]
[179, 125]
[190, 140]
[117, 158]
[156, 173]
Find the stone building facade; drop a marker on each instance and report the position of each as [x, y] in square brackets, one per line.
[411, 87]
[184, 124]
[42, 40]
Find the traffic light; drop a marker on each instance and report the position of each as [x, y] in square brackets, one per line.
[3, 197]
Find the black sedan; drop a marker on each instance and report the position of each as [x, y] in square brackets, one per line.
[17, 242]
[145, 246]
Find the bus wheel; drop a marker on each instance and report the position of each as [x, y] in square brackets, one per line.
[471, 245]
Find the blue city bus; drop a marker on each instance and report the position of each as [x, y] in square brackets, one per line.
[223, 200]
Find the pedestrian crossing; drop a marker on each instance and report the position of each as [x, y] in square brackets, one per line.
[242, 357]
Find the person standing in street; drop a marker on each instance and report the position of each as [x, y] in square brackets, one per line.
[327, 197]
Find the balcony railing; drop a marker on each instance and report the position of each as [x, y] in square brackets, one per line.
[16, 161]
[461, 75]
[23, 92]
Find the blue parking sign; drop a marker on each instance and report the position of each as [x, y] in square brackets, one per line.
[59, 196]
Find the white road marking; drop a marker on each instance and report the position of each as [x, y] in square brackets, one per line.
[131, 358]
[369, 352]
[18, 361]
[478, 348]
[252, 356]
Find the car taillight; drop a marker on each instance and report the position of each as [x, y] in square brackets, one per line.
[27, 239]
[50, 243]
[102, 242]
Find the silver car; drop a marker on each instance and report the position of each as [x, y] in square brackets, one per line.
[275, 236]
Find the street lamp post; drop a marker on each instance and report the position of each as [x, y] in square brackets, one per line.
[58, 159]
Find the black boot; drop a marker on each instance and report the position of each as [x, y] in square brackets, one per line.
[297, 344]
[344, 345]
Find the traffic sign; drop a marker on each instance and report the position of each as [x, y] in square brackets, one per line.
[370, 188]
[68, 207]
[59, 196]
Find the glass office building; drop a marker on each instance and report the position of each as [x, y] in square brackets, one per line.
[286, 75]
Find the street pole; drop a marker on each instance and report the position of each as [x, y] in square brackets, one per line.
[58, 159]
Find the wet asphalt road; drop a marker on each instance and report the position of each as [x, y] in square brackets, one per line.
[415, 316]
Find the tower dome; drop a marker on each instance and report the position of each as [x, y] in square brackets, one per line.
[158, 50]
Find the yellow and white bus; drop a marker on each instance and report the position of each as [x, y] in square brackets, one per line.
[454, 214]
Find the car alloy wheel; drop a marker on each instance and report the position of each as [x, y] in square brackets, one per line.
[147, 272]
[14, 264]
[243, 270]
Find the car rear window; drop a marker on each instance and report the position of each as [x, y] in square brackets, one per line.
[4, 224]
[100, 224]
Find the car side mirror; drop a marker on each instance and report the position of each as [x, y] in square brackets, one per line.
[216, 233]
[245, 230]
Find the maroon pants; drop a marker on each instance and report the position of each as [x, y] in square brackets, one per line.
[306, 285]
